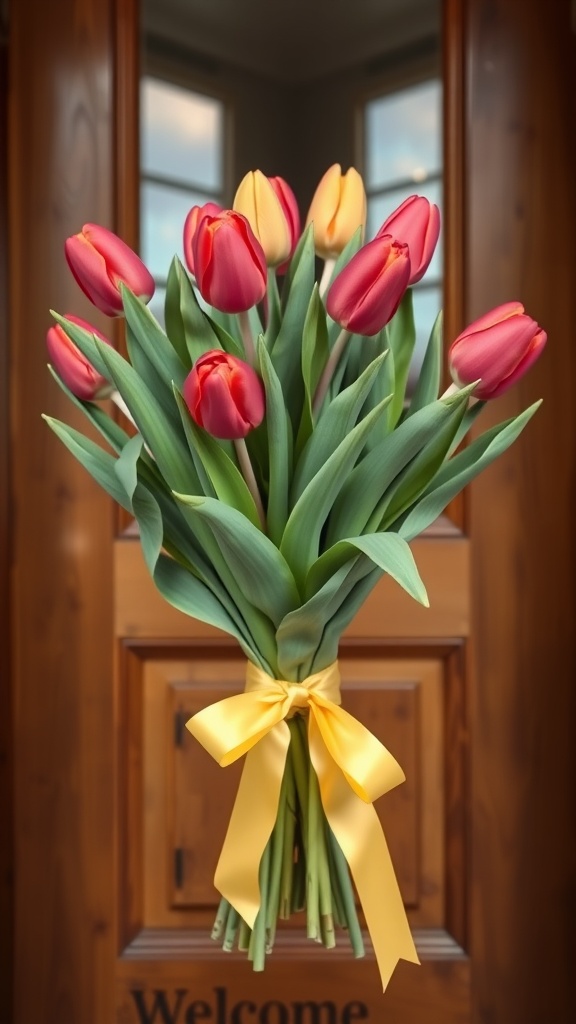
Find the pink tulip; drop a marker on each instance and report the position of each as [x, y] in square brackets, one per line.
[229, 262]
[497, 349]
[291, 212]
[367, 292]
[416, 222]
[190, 226]
[71, 365]
[224, 395]
[101, 262]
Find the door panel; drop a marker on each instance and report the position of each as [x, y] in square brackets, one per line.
[475, 695]
[409, 690]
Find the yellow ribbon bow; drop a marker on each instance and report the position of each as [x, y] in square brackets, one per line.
[353, 769]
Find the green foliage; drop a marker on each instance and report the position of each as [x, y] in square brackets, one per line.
[343, 490]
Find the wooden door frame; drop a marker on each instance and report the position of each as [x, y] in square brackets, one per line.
[6, 780]
[508, 918]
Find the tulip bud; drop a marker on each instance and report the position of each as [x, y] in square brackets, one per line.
[291, 212]
[337, 210]
[416, 222]
[256, 199]
[229, 262]
[224, 395]
[101, 262]
[190, 226]
[367, 292]
[497, 349]
[71, 365]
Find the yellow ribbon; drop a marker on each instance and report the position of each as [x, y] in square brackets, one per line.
[353, 769]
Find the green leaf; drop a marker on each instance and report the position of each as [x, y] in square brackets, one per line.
[336, 422]
[301, 255]
[401, 340]
[388, 551]
[189, 328]
[151, 339]
[266, 578]
[274, 316]
[181, 588]
[300, 633]
[428, 384]
[314, 357]
[413, 480]
[110, 430]
[100, 464]
[279, 434]
[225, 478]
[285, 353]
[165, 442]
[177, 285]
[362, 578]
[460, 470]
[126, 466]
[302, 534]
[365, 487]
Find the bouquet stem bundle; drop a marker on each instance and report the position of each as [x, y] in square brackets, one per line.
[303, 869]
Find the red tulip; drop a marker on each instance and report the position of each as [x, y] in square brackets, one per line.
[291, 212]
[367, 292]
[190, 226]
[416, 222]
[224, 395]
[71, 365]
[229, 262]
[497, 349]
[101, 262]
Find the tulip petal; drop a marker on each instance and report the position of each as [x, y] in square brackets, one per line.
[122, 263]
[89, 270]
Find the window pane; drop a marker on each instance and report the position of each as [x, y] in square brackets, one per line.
[403, 135]
[163, 211]
[380, 207]
[427, 304]
[181, 134]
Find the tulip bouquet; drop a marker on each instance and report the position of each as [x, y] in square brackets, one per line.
[277, 466]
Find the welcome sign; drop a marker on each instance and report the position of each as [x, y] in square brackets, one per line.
[183, 1006]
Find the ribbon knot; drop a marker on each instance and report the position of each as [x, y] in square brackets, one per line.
[353, 769]
[298, 697]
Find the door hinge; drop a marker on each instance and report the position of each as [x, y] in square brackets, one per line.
[178, 867]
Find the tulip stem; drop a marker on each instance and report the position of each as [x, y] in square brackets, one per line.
[247, 337]
[119, 402]
[326, 275]
[248, 474]
[328, 371]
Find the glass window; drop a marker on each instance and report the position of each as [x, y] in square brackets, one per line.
[181, 165]
[403, 156]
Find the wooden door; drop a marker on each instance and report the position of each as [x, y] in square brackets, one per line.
[114, 836]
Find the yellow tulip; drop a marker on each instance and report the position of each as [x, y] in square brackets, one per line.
[258, 202]
[337, 210]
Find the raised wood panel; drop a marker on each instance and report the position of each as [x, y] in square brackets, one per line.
[389, 612]
[412, 701]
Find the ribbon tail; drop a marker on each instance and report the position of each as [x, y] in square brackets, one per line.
[251, 823]
[357, 829]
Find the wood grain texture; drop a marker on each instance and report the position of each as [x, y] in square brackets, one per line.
[61, 155]
[6, 738]
[521, 244]
[435, 993]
